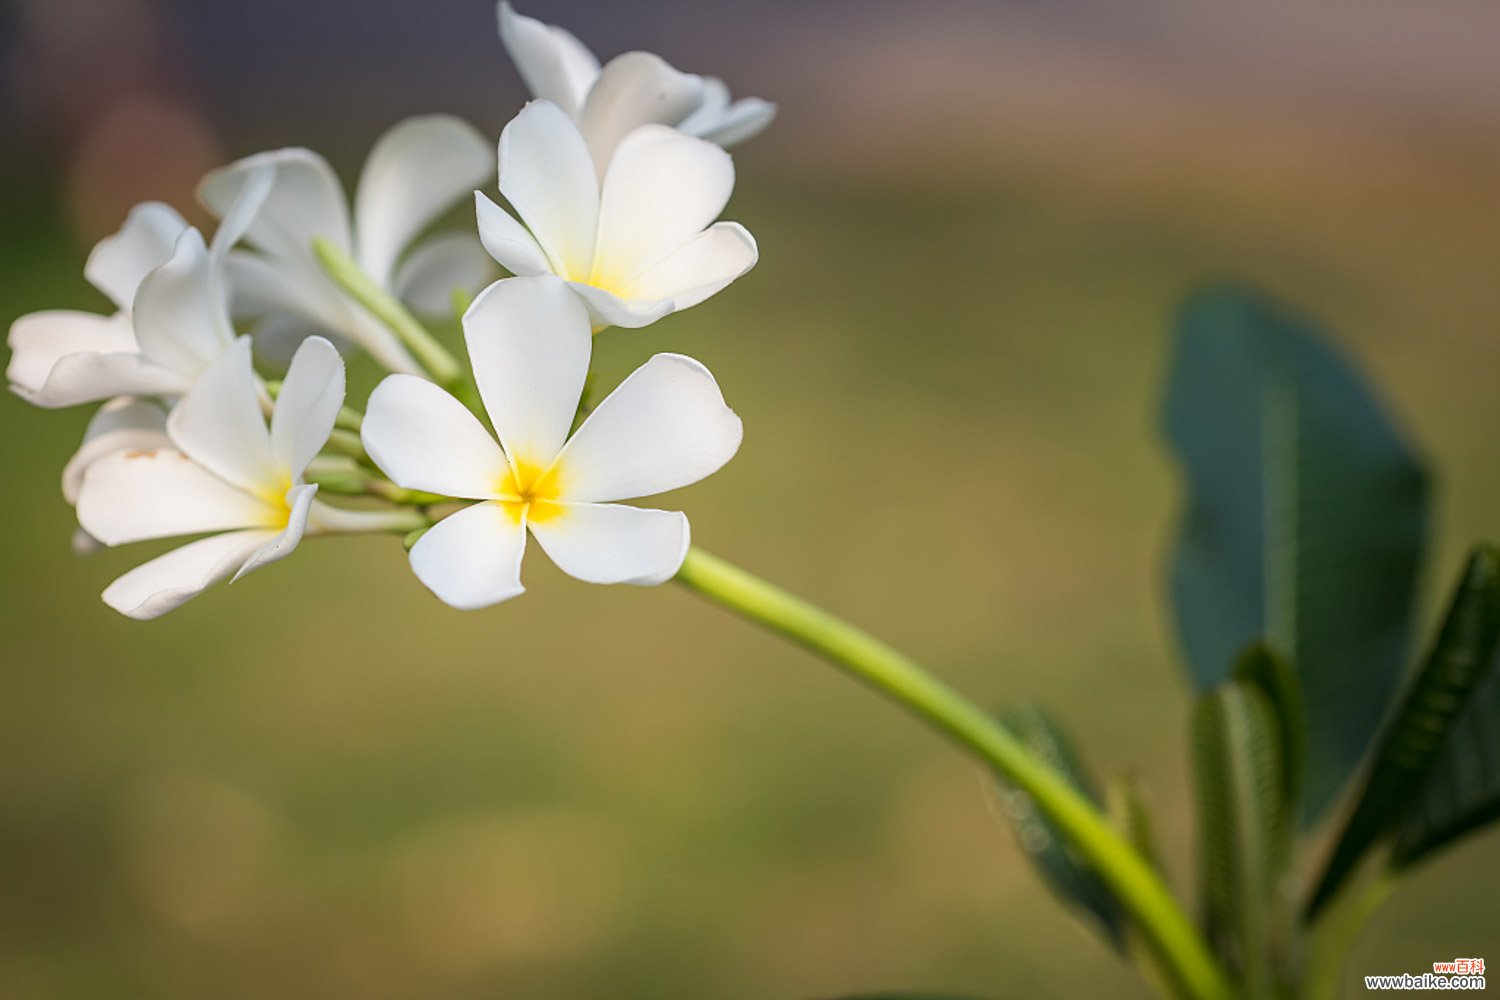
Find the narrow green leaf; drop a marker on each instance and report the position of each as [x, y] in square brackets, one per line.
[1134, 819]
[1304, 523]
[1462, 793]
[1431, 708]
[1064, 871]
[1261, 667]
[1242, 825]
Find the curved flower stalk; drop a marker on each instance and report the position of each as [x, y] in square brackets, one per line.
[633, 89]
[225, 472]
[171, 318]
[643, 246]
[415, 172]
[666, 426]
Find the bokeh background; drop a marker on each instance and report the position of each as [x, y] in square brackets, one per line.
[976, 219]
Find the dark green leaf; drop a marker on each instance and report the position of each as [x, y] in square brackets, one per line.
[1064, 871]
[1242, 825]
[1430, 709]
[1304, 524]
[1462, 793]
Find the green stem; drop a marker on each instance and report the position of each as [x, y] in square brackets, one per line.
[384, 306]
[1168, 931]
[1338, 929]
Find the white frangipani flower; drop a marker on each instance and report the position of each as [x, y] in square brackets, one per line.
[223, 471]
[529, 341]
[172, 317]
[633, 89]
[644, 246]
[416, 171]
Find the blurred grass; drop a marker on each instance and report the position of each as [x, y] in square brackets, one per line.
[322, 783]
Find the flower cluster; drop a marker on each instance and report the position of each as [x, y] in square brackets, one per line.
[221, 370]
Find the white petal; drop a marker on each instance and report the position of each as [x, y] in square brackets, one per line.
[417, 170]
[698, 268]
[635, 89]
[181, 322]
[663, 188]
[529, 342]
[118, 262]
[744, 119]
[613, 543]
[548, 177]
[554, 65]
[708, 112]
[154, 588]
[249, 200]
[665, 426]
[263, 286]
[607, 309]
[472, 558]
[130, 496]
[308, 405]
[124, 424]
[299, 500]
[508, 241]
[219, 425]
[60, 357]
[305, 202]
[439, 266]
[87, 377]
[424, 439]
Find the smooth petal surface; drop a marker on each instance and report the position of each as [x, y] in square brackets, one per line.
[472, 559]
[613, 543]
[424, 439]
[130, 496]
[118, 262]
[305, 202]
[180, 322]
[308, 405]
[39, 340]
[167, 582]
[665, 426]
[663, 188]
[698, 268]
[554, 65]
[89, 377]
[263, 287]
[299, 500]
[607, 309]
[124, 424]
[258, 182]
[744, 119]
[219, 425]
[529, 342]
[439, 266]
[508, 241]
[548, 177]
[634, 89]
[417, 170]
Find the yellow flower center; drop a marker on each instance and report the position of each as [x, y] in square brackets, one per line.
[280, 514]
[531, 491]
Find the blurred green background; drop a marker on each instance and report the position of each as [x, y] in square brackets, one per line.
[975, 222]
